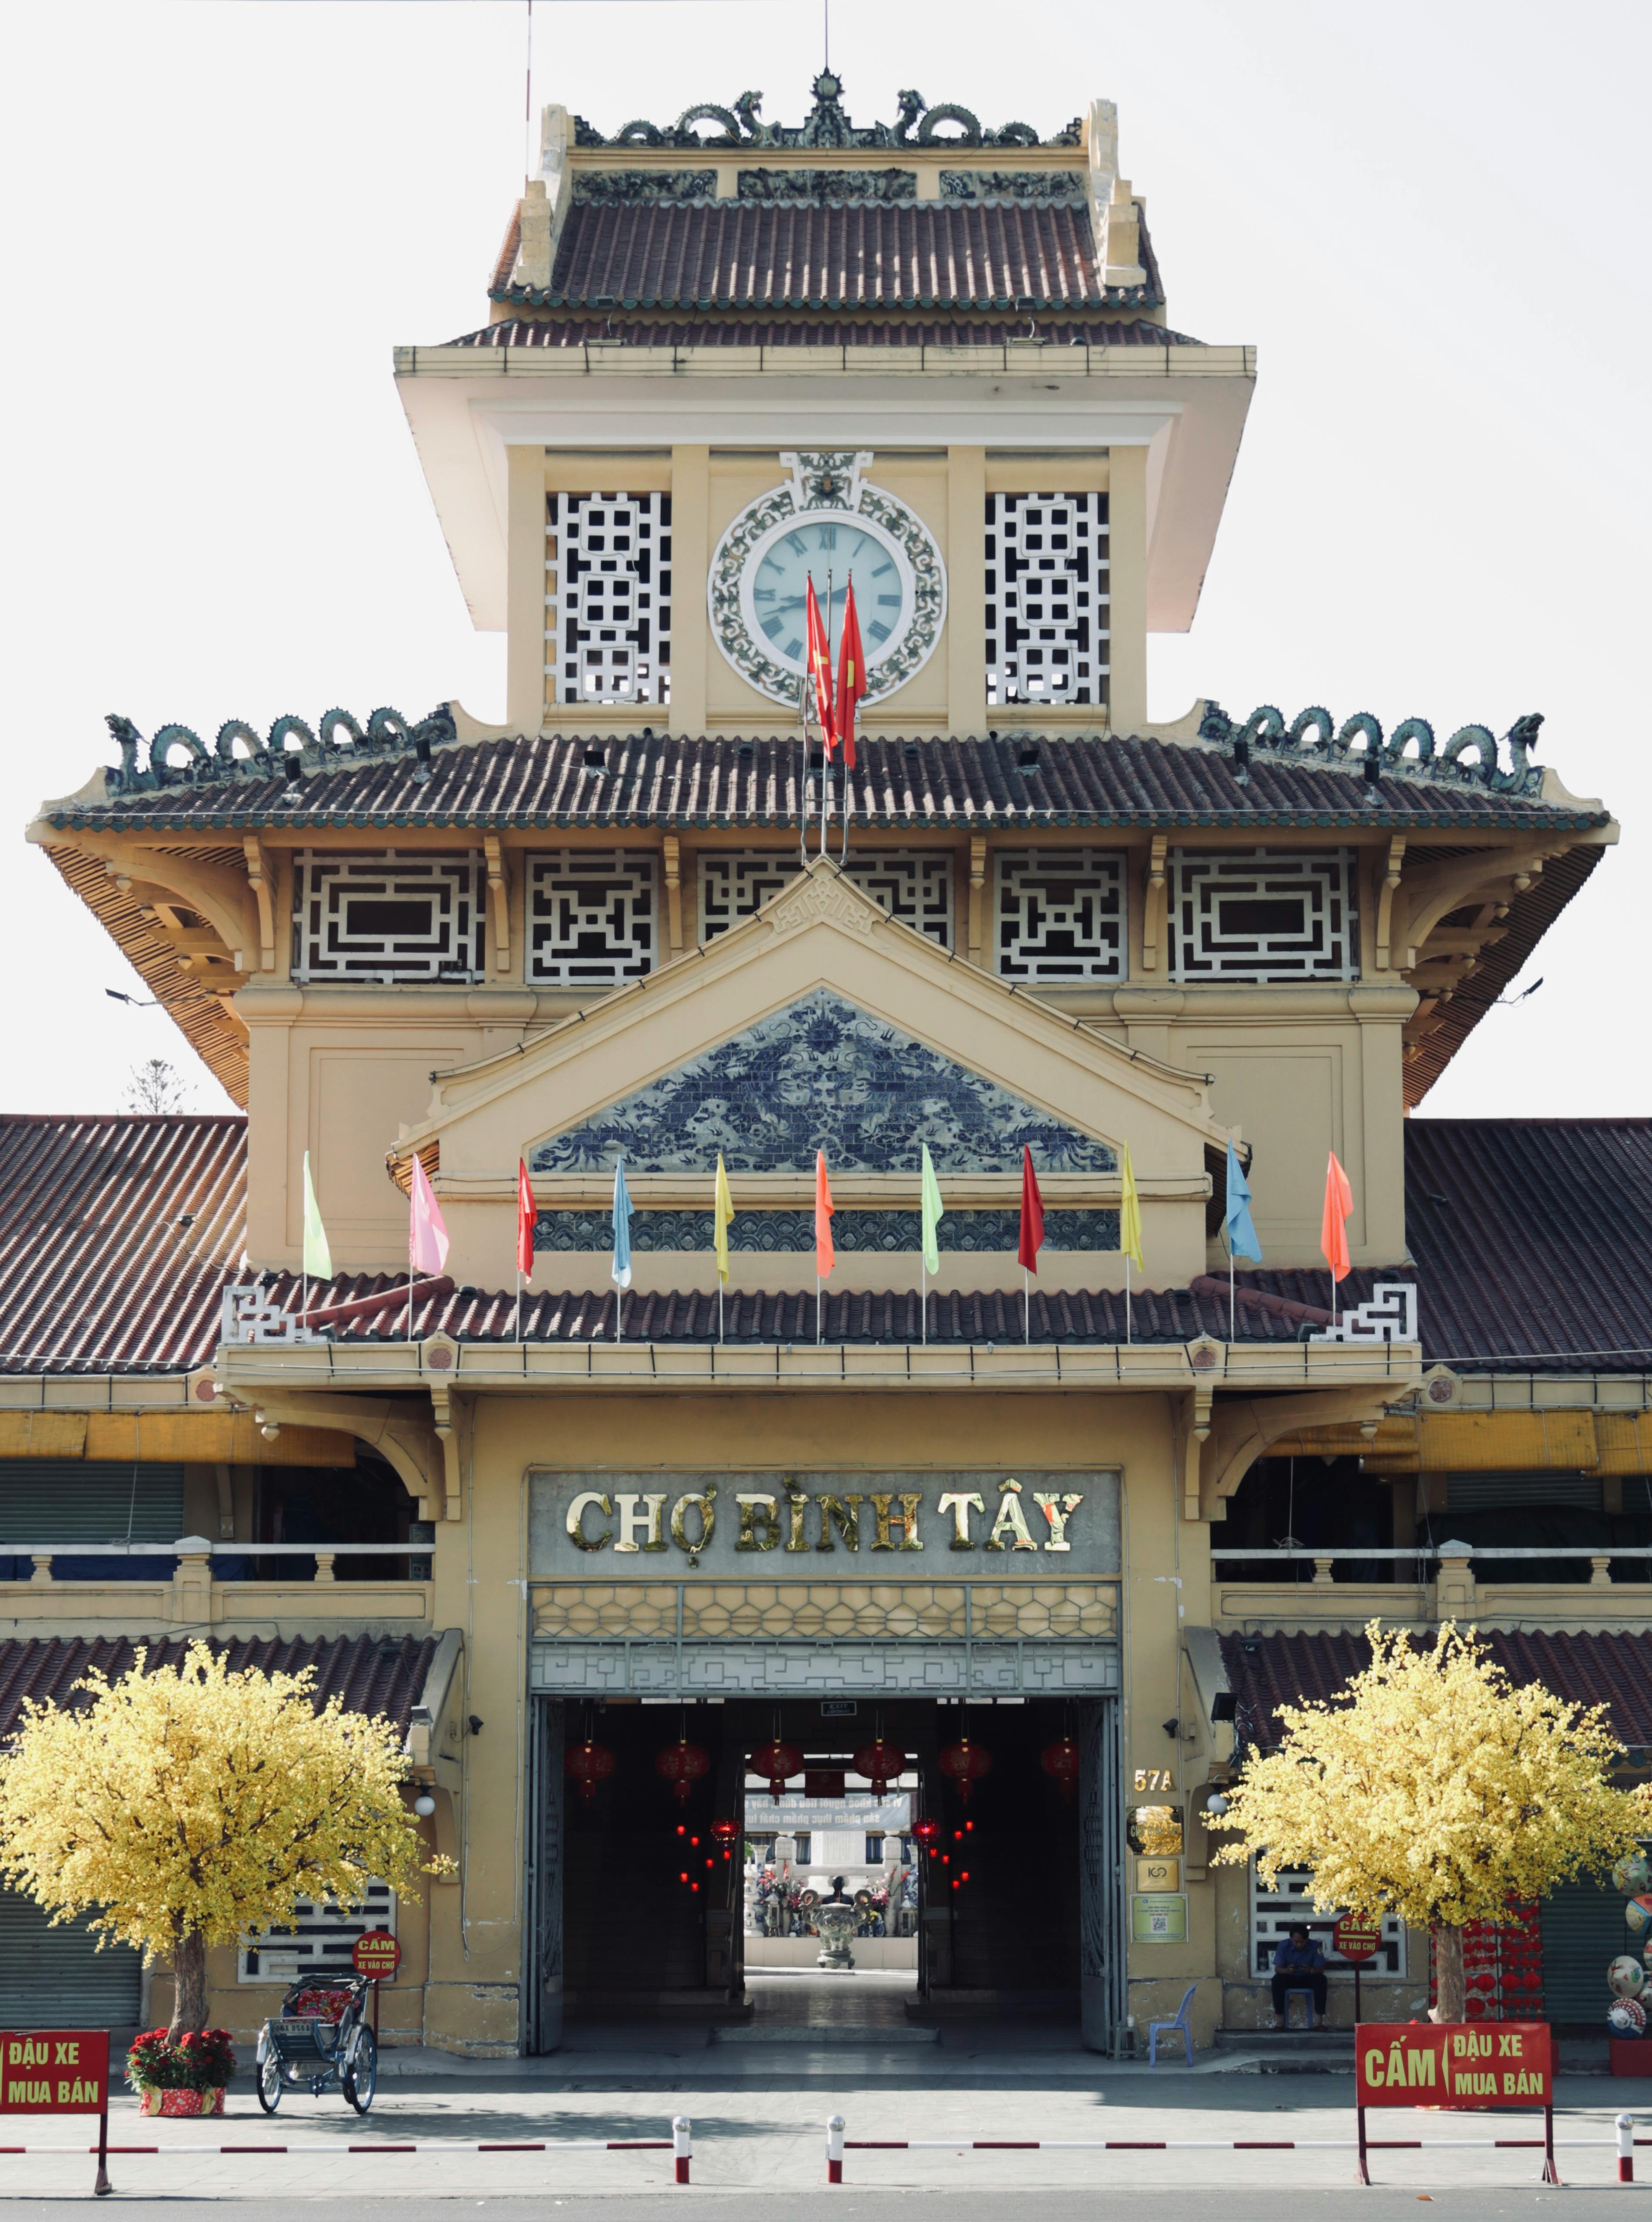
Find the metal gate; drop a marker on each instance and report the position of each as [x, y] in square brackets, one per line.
[541, 1993]
[58, 1979]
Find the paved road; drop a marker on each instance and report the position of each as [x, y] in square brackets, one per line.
[1073, 2205]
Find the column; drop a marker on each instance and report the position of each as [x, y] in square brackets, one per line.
[1101, 1817]
[544, 2018]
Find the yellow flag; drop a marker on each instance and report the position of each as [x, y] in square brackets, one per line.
[722, 1219]
[1130, 1213]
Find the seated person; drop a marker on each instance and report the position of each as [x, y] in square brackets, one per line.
[1298, 1965]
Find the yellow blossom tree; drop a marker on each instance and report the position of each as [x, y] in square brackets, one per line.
[188, 1806]
[1436, 1790]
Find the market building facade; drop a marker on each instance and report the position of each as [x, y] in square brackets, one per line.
[1063, 1543]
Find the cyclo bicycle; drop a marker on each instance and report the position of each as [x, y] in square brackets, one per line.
[320, 2036]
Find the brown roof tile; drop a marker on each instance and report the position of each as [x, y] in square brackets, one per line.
[565, 331]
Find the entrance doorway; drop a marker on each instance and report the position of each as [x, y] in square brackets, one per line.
[667, 1884]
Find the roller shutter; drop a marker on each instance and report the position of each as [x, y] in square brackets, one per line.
[90, 1501]
[56, 1978]
[1583, 1928]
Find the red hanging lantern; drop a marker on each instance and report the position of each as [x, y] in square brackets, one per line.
[880, 1763]
[682, 1764]
[589, 1763]
[775, 1761]
[727, 1834]
[965, 1762]
[926, 1832]
[1060, 1760]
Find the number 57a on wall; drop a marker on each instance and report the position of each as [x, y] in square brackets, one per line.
[1154, 1778]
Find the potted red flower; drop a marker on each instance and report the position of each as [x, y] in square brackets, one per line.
[185, 2075]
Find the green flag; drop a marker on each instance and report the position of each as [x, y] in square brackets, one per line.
[317, 1258]
[934, 1212]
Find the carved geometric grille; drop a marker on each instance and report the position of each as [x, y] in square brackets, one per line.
[914, 888]
[1047, 598]
[591, 916]
[909, 1612]
[1061, 915]
[1261, 917]
[1273, 1911]
[608, 597]
[386, 918]
[320, 1939]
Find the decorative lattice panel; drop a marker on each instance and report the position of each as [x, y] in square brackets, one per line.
[608, 598]
[590, 917]
[319, 1942]
[1273, 1909]
[914, 888]
[1261, 917]
[912, 1612]
[1061, 916]
[1046, 598]
[387, 918]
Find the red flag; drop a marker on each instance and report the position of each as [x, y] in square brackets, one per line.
[527, 1218]
[1031, 1213]
[825, 1256]
[819, 657]
[1333, 1228]
[851, 677]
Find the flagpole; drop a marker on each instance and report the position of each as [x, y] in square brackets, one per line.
[1130, 1335]
[1233, 1307]
[817, 1310]
[518, 1304]
[1026, 1290]
[719, 1308]
[923, 1298]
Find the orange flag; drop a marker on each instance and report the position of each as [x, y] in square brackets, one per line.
[851, 678]
[820, 660]
[1333, 1228]
[825, 1256]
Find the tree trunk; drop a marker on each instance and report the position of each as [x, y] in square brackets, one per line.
[189, 1986]
[1450, 1996]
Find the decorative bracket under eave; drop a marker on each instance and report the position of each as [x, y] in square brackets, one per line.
[1385, 901]
[451, 1412]
[261, 879]
[1152, 910]
[499, 901]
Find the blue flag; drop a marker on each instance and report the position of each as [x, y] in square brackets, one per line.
[620, 1272]
[1239, 1228]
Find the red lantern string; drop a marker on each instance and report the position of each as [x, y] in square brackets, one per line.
[1060, 1760]
[880, 1763]
[589, 1763]
[775, 1761]
[965, 1762]
[682, 1764]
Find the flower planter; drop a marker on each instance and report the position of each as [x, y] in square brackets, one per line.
[183, 2102]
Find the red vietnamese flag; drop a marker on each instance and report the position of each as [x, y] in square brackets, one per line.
[820, 660]
[527, 1218]
[825, 1256]
[851, 677]
[1031, 1213]
[1333, 1226]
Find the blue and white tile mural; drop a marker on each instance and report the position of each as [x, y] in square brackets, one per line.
[773, 1232]
[821, 1076]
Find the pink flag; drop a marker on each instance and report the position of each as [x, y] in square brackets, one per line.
[427, 1237]
[1333, 1228]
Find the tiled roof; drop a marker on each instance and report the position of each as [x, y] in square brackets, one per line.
[565, 331]
[655, 779]
[732, 254]
[1614, 1670]
[371, 1674]
[116, 1235]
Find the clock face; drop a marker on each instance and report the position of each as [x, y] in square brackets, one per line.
[833, 550]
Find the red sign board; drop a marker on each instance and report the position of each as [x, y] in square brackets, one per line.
[376, 1954]
[53, 2071]
[1356, 1940]
[1419, 2063]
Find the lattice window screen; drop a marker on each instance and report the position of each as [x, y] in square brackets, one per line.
[608, 598]
[387, 918]
[319, 1942]
[1262, 917]
[591, 916]
[1047, 599]
[1061, 915]
[1274, 1911]
[914, 886]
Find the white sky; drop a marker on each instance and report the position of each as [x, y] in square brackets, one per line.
[1430, 217]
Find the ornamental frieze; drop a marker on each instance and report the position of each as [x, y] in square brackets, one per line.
[827, 124]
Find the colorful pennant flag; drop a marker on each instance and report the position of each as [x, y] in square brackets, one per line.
[1236, 1219]
[825, 1256]
[1130, 1211]
[317, 1258]
[851, 678]
[1031, 1215]
[1333, 1226]
[620, 1271]
[722, 1218]
[819, 663]
[933, 1212]
[527, 1221]
[427, 1234]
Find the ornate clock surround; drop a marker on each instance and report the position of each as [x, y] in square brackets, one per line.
[826, 482]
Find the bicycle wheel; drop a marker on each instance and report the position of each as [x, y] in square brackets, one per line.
[270, 2086]
[362, 2076]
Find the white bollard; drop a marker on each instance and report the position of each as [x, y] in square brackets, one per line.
[835, 2126]
[1625, 2149]
[681, 2145]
